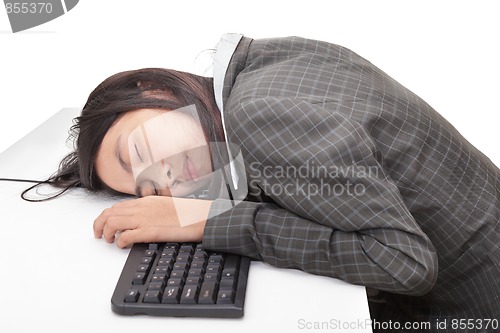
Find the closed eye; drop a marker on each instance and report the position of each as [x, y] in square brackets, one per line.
[137, 152]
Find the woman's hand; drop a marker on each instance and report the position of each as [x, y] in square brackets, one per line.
[153, 219]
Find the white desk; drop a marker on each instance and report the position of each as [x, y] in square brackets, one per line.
[56, 277]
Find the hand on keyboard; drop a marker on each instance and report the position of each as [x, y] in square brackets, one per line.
[153, 219]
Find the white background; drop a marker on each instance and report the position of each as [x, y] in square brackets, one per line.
[445, 51]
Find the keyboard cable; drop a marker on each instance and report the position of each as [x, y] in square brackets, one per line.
[36, 184]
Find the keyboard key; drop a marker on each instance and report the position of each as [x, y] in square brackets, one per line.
[197, 264]
[132, 296]
[175, 282]
[200, 255]
[196, 280]
[231, 264]
[181, 266]
[195, 272]
[211, 276]
[171, 246]
[216, 258]
[171, 295]
[153, 246]
[139, 278]
[207, 293]
[213, 268]
[162, 270]
[158, 277]
[189, 294]
[183, 257]
[186, 249]
[168, 253]
[146, 260]
[177, 274]
[228, 283]
[156, 285]
[165, 262]
[225, 296]
[143, 268]
[152, 296]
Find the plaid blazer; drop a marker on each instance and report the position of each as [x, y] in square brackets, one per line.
[351, 175]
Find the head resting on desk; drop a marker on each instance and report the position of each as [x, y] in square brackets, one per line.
[140, 91]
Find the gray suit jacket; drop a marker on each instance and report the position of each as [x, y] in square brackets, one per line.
[353, 176]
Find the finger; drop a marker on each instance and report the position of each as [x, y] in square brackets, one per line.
[131, 236]
[192, 233]
[100, 221]
[117, 223]
[124, 208]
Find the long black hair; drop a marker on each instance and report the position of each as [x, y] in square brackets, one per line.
[153, 88]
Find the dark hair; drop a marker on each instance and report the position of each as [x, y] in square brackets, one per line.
[153, 88]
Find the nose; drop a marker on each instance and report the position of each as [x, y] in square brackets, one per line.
[159, 173]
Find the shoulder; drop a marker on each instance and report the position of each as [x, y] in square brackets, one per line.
[294, 44]
[292, 67]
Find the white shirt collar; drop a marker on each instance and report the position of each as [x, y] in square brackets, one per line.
[225, 49]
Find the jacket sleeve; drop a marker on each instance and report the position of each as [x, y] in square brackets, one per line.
[336, 211]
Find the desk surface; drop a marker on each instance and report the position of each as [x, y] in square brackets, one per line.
[57, 278]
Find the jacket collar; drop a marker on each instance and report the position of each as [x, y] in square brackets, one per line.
[229, 60]
[225, 49]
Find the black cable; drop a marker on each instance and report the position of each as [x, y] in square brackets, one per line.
[21, 180]
[36, 184]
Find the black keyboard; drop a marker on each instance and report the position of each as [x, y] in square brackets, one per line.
[181, 280]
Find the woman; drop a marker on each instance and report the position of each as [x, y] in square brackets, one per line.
[348, 173]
